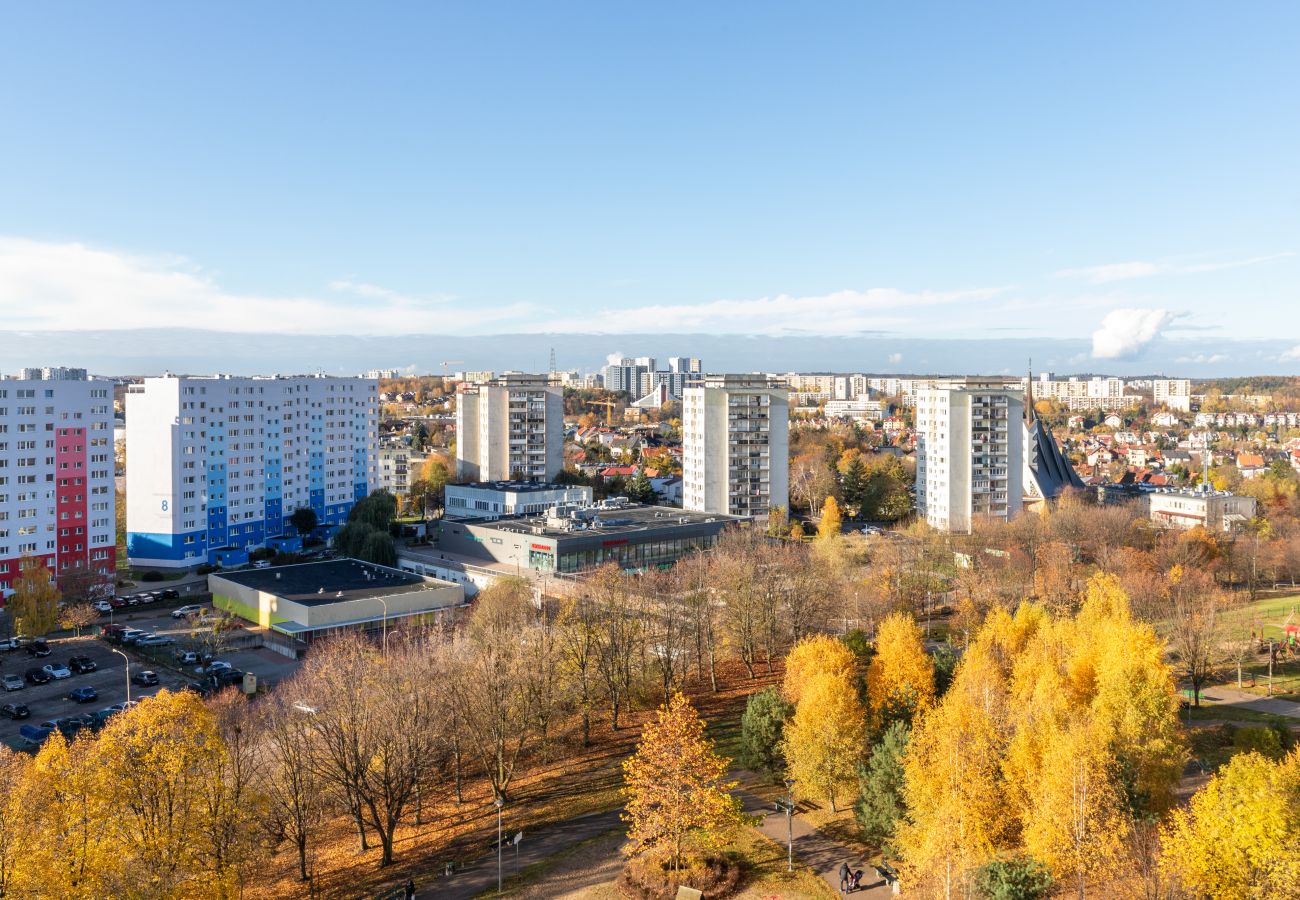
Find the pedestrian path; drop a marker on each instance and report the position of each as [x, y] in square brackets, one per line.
[813, 848]
[1222, 695]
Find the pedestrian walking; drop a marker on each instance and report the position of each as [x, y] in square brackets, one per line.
[845, 873]
[410, 889]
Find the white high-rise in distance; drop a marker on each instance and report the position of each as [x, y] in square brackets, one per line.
[970, 451]
[510, 428]
[735, 445]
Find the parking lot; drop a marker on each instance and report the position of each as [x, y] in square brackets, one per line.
[49, 701]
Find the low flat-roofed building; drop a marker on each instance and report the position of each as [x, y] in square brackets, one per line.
[1216, 511]
[493, 499]
[312, 600]
[582, 538]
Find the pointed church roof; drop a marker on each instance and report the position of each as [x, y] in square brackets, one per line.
[1045, 464]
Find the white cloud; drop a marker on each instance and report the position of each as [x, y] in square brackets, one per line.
[1126, 271]
[839, 313]
[895, 359]
[1203, 358]
[1125, 333]
[47, 286]
[1293, 353]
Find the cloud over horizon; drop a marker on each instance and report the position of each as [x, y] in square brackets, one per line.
[1127, 271]
[1125, 333]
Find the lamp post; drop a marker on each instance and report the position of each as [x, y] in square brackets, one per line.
[500, 802]
[128, 671]
[385, 602]
[786, 805]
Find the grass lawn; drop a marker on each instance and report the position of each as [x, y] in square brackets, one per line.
[1236, 714]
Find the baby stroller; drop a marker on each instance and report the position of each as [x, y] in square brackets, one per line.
[855, 882]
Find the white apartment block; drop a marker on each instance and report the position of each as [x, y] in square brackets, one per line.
[1172, 393]
[56, 473]
[851, 387]
[217, 465]
[1075, 393]
[860, 409]
[396, 468]
[970, 451]
[492, 500]
[736, 446]
[511, 428]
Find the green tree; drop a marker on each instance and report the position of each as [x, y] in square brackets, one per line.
[761, 730]
[854, 485]
[881, 783]
[378, 510]
[778, 522]
[378, 548]
[419, 437]
[304, 520]
[1014, 878]
[639, 489]
[34, 605]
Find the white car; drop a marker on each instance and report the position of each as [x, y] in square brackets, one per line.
[103, 606]
[57, 670]
[191, 609]
[262, 564]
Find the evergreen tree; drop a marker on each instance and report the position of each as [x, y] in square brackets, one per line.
[1016, 878]
[881, 783]
[854, 485]
[639, 489]
[761, 730]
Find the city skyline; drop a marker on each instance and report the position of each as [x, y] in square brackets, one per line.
[1116, 182]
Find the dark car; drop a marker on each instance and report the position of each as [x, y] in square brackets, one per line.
[118, 603]
[38, 647]
[82, 664]
[15, 710]
[169, 594]
[83, 694]
[38, 676]
[227, 677]
[147, 678]
[198, 687]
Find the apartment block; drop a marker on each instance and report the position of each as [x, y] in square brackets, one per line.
[56, 473]
[970, 451]
[736, 445]
[510, 428]
[1172, 393]
[217, 465]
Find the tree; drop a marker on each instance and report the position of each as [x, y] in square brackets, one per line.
[900, 677]
[34, 605]
[778, 522]
[77, 616]
[881, 783]
[854, 484]
[294, 791]
[1194, 612]
[303, 520]
[762, 728]
[678, 797]
[824, 739]
[437, 475]
[1013, 878]
[796, 531]
[639, 489]
[1238, 835]
[816, 654]
[831, 521]
[377, 510]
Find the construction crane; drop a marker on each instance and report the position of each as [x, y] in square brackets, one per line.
[450, 362]
[609, 409]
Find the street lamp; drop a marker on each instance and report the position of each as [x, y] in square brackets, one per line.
[786, 805]
[500, 802]
[385, 602]
[128, 672]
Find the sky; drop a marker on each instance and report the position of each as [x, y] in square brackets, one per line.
[903, 187]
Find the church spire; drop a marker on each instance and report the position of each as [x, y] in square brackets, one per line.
[1029, 395]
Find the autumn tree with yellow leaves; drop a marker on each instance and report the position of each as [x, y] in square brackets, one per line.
[815, 655]
[34, 604]
[826, 738]
[678, 797]
[900, 678]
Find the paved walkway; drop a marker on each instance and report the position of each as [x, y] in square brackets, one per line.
[481, 876]
[813, 848]
[1222, 695]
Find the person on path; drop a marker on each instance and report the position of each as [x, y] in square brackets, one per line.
[844, 878]
[410, 889]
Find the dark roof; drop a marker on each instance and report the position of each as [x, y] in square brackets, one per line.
[316, 583]
[1047, 464]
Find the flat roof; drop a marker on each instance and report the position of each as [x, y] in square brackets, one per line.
[315, 583]
[615, 520]
[516, 487]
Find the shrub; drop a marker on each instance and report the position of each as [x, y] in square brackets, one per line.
[1258, 738]
[152, 575]
[1015, 878]
[653, 879]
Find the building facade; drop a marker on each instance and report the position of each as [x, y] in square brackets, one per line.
[1216, 511]
[510, 428]
[970, 448]
[736, 446]
[494, 499]
[56, 473]
[217, 465]
[1172, 393]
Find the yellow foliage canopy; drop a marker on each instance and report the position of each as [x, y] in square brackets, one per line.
[815, 655]
[826, 737]
[901, 673]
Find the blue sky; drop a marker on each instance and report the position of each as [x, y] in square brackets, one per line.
[1120, 174]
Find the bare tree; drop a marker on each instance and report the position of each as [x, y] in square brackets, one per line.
[617, 637]
[578, 623]
[288, 778]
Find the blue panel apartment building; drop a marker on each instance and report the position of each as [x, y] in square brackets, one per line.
[217, 465]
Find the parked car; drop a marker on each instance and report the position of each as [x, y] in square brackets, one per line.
[147, 678]
[187, 657]
[119, 603]
[103, 606]
[80, 665]
[131, 635]
[155, 640]
[189, 609]
[198, 687]
[12, 682]
[15, 710]
[101, 716]
[262, 564]
[216, 666]
[38, 647]
[83, 694]
[226, 677]
[123, 707]
[38, 676]
[169, 594]
[34, 734]
[58, 671]
[69, 726]
[11, 643]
